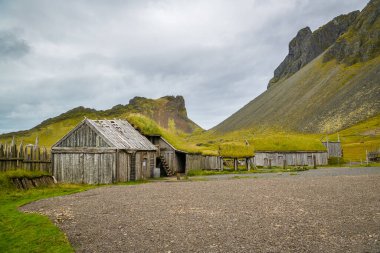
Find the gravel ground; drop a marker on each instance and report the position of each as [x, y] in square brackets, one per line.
[326, 210]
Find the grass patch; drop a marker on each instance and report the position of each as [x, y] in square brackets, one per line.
[243, 177]
[21, 232]
[336, 161]
[236, 150]
[137, 182]
[194, 173]
[25, 232]
[362, 137]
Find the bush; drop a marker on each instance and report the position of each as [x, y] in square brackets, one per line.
[336, 161]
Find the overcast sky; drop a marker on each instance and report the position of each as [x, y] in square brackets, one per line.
[57, 55]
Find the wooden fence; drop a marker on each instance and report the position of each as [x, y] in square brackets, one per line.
[28, 157]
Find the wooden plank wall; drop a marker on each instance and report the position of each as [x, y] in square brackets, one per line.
[334, 149]
[88, 168]
[28, 157]
[200, 162]
[84, 136]
[145, 164]
[292, 159]
[124, 167]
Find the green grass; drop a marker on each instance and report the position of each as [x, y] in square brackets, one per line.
[27, 232]
[21, 232]
[359, 138]
[194, 173]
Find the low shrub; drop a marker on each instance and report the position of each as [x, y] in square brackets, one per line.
[336, 161]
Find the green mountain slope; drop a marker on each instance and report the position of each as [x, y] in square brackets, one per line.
[330, 93]
[167, 112]
[362, 137]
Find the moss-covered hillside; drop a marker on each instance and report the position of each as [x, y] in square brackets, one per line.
[168, 112]
[233, 144]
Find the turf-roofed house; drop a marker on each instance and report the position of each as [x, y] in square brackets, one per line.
[103, 152]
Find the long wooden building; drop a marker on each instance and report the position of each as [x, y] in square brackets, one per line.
[290, 158]
[103, 152]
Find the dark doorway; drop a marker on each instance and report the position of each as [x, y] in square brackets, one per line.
[181, 161]
[159, 164]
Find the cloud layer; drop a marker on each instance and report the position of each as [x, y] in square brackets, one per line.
[218, 54]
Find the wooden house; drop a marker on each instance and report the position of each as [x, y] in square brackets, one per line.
[290, 158]
[169, 159]
[102, 152]
[172, 160]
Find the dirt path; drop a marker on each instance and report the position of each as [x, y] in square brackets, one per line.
[302, 213]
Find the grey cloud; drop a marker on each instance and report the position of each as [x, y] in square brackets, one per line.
[218, 54]
[11, 46]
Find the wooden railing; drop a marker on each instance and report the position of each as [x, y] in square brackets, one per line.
[27, 157]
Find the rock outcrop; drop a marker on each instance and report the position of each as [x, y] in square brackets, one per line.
[307, 45]
[362, 41]
[165, 111]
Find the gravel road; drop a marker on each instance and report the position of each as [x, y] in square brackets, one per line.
[325, 210]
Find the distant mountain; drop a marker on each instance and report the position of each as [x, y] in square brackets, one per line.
[329, 81]
[168, 112]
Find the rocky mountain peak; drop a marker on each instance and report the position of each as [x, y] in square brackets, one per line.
[362, 41]
[307, 45]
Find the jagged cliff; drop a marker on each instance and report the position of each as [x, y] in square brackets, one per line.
[326, 92]
[362, 41]
[307, 45]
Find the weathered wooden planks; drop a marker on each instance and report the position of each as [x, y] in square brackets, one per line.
[334, 148]
[83, 136]
[103, 152]
[299, 158]
[197, 162]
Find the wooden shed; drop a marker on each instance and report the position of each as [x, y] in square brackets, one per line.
[172, 160]
[334, 148]
[169, 159]
[103, 152]
[292, 158]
